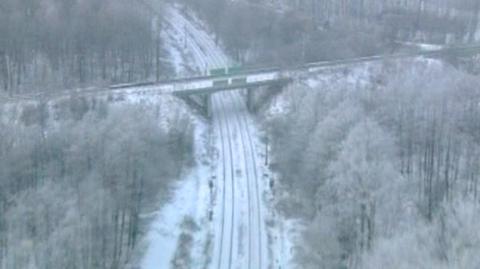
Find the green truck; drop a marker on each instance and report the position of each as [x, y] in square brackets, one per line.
[225, 71]
[234, 70]
[218, 72]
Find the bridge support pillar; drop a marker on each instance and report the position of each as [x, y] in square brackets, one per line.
[250, 99]
[257, 96]
[207, 103]
[201, 103]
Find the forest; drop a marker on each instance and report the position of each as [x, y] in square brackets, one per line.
[261, 32]
[378, 161]
[52, 45]
[75, 182]
[384, 172]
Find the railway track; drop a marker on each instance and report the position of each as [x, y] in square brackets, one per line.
[252, 173]
[240, 118]
[236, 119]
[228, 176]
[229, 115]
[258, 191]
[225, 243]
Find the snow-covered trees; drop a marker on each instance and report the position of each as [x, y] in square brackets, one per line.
[258, 34]
[72, 191]
[357, 195]
[362, 191]
[386, 171]
[450, 241]
[71, 42]
[285, 32]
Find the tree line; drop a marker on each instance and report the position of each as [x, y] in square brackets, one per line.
[386, 172]
[69, 43]
[73, 183]
[286, 32]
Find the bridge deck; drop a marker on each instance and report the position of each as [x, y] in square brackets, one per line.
[213, 89]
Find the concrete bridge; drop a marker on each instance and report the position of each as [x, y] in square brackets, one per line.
[197, 90]
[200, 98]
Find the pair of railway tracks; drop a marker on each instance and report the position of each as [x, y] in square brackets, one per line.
[227, 123]
[205, 54]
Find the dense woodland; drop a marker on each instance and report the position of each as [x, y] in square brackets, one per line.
[384, 173]
[74, 182]
[48, 45]
[284, 32]
[51, 44]
[76, 174]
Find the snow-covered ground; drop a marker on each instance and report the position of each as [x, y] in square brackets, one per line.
[190, 200]
[227, 194]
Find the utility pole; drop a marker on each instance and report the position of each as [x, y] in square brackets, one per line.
[5, 69]
[185, 38]
[157, 52]
[156, 35]
[304, 47]
[266, 151]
